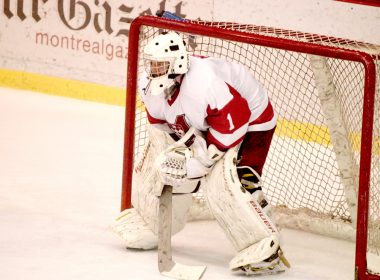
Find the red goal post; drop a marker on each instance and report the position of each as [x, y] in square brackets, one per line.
[232, 41]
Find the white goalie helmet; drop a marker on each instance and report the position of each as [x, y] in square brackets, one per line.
[165, 57]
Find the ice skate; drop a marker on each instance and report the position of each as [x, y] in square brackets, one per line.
[254, 259]
[276, 263]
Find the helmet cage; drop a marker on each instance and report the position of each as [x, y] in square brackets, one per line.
[158, 67]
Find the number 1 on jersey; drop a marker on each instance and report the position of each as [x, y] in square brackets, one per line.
[229, 118]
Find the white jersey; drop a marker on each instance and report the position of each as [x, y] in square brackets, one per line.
[217, 97]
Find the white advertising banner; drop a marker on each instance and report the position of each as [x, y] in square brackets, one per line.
[86, 40]
[83, 40]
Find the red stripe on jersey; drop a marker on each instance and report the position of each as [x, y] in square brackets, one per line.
[212, 140]
[265, 116]
[232, 116]
[153, 120]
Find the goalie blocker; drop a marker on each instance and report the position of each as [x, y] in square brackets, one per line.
[254, 235]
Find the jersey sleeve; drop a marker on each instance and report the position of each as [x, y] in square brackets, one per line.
[228, 116]
[158, 123]
[152, 106]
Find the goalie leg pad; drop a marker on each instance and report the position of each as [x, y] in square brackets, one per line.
[133, 231]
[251, 181]
[240, 215]
[144, 200]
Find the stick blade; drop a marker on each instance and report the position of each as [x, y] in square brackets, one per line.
[184, 272]
[166, 265]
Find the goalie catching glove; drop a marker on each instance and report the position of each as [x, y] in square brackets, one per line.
[188, 158]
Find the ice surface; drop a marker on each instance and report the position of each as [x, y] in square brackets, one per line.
[60, 178]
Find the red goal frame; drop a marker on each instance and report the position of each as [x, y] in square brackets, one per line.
[280, 43]
[374, 3]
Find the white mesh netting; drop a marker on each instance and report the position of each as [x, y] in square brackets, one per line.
[302, 179]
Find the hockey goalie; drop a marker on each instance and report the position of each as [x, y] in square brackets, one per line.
[211, 124]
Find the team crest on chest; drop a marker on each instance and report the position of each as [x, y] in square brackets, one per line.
[180, 126]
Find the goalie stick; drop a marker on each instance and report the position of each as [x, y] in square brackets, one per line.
[166, 265]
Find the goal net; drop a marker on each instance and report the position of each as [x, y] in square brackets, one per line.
[324, 160]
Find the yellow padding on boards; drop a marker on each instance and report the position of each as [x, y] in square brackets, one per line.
[303, 131]
[320, 134]
[62, 87]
